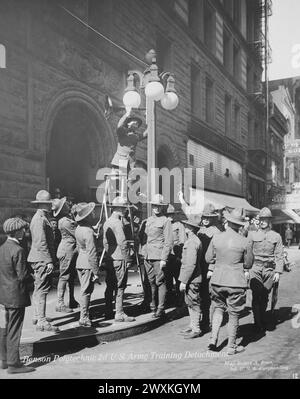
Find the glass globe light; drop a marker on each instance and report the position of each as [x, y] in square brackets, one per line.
[169, 101]
[154, 91]
[132, 99]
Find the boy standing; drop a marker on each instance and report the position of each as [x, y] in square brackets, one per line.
[14, 295]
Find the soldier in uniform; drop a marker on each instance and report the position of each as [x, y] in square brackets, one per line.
[87, 260]
[118, 253]
[206, 232]
[229, 259]
[128, 138]
[66, 254]
[190, 276]
[42, 258]
[172, 269]
[159, 243]
[268, 265]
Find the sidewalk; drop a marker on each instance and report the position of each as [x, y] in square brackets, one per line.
[35, 343]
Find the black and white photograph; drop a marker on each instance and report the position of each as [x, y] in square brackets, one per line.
[149, 193]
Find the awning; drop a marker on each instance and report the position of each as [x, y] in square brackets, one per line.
[285, 216]
[221, 201]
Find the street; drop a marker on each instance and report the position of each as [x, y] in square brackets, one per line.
[163, 353]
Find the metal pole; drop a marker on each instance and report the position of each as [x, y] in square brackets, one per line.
[267, 82]
[150, 118]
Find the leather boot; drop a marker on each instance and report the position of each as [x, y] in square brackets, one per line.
[61, 307]
[84, 312]
[217, 319]
[232, 328]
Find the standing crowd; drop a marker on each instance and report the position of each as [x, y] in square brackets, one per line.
[211, 263]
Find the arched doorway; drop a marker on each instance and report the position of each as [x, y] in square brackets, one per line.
[76, 149]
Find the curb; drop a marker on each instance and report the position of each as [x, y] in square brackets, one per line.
[61, 344]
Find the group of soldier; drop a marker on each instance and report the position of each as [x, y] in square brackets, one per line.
[212, 261]
[213, 266]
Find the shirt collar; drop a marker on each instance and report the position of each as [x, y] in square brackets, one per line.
[13, 239]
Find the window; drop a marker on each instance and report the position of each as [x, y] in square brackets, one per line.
[196, 91]
[195, 17]
[227, 115]
[250, 130]
[191, 160]
[228, 6]
[163, 53]
[237, 13]
[236, 62]
[250, 87]
[209, 101]
[237, 122]
[2, 56]
[209, 27]
[227, 51]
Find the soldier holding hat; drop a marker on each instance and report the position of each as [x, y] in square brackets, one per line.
[159, 243]
[128, 138]
[87, 260]
[172, 269]
[229, 258]
[14, 295]
[206, 232]
[268, 265]
[117, 249]
[190, 276]
[66, 254]
[42, 258]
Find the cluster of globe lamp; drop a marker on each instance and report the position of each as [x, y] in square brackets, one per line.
[154, 90]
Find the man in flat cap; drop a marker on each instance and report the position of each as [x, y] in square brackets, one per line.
[14, 295]
[42, 258]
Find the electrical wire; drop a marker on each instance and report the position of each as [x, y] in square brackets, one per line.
[103, 36]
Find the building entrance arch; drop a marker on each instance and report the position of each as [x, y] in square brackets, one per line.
[78, 142]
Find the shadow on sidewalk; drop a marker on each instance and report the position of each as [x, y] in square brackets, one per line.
[73, 340]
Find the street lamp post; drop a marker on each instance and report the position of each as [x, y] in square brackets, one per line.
[157, 88]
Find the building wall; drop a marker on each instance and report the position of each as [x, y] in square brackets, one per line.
[53, 62]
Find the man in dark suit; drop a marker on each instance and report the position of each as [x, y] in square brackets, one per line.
[14, 295]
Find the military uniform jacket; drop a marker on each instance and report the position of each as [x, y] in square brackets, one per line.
[159, 238]
[228, 254]
[14, 276]
[114, 240]
[190, 271]
[206, 234]
[87, 253]
[267, 248]
[42, 247]
[67, 245]
[179, 236]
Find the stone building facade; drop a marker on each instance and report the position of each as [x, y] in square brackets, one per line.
[53, 131]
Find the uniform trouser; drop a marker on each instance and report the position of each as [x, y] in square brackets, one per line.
[261, 283]
[205, 302]
[193, 302]
[146, 284]
[172, 271]
[233, 300]
[157, 281]
[86, 289]
[10, 336]
[116, 280]
[67, 274]
[42, 285]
